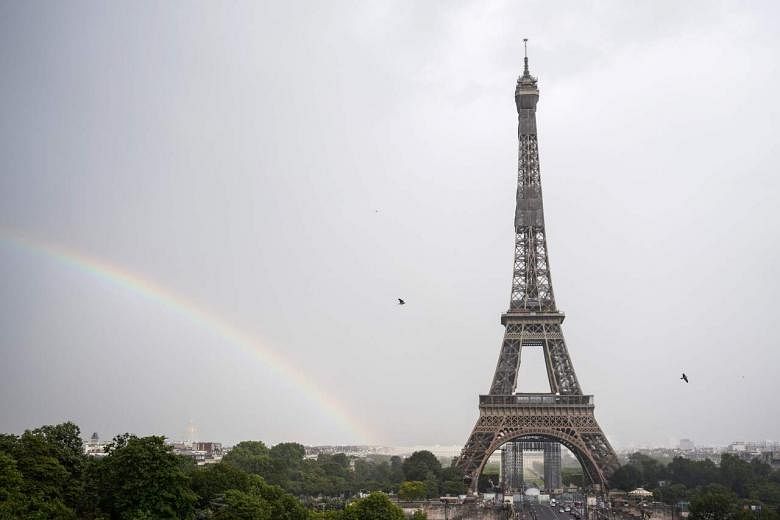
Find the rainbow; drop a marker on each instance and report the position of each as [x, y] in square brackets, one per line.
[197, 314]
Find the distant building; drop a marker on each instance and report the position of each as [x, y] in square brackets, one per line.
[686, 445]
[213, 450]
[94, 448]
[201, 452]
[748, 451]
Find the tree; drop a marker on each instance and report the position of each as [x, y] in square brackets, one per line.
[286, 461]
[250, 456]
[419, 515]
[452, 481]
[375, 506]
[396, 470]
[419, 464]
[571, 476]
[671, 493]
[652, 471]
[487, 481]
[627, 477]
[736, 474]
[141, 476]
[49, 488]
[412, 490]
[693, 473]
[335, 470]
[12, 501]
[714, 502]
[283, 505]
[371, 475]
[237, 505]
[213, 480]
[432, 485]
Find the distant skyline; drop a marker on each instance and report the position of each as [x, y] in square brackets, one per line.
[209, 211]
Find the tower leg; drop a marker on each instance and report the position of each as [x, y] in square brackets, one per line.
[552, 466]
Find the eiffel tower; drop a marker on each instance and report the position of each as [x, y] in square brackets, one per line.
[564, 415]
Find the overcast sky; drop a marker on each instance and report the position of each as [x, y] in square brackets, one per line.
[292, 168]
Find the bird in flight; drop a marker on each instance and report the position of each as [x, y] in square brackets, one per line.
[401, 302]
[684, 377]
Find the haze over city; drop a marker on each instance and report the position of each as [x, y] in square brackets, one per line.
[208, 213]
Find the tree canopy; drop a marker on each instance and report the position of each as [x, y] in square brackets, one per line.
[710, 488]
[44, 473]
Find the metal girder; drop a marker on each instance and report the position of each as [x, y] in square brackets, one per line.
[529, 331]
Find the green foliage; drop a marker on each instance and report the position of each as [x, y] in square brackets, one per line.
[451, 482]
[412, 490]
[571, 476]
[650, 469]
[44, 475]
[714, 502]
[483, 483]
[671, 493]
[396, 469]
[250, 456]
[12, 501]
[141, 476]
[283, 505]
[432, 485]
[767, 492]
[692, 473]
[286, 462]
[375, 506]
[419, 515]
[49, 461]
[237, 505]
[420, 464]
[627, 477]
[208, 482]
[10, 477]
[715, 491]
[336, 475]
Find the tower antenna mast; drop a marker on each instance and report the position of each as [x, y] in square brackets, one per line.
[525, 57]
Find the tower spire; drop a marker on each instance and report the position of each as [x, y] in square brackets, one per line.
[525, 59]
[526, 82]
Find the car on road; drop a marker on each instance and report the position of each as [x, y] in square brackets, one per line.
[561, 510]
[567, 509]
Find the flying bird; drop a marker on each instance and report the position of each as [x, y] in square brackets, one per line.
[684, 377]
[401, 302]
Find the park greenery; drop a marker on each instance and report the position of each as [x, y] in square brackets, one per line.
[44, 474]
[715, 492]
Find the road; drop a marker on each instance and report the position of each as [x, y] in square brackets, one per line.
[545, 512]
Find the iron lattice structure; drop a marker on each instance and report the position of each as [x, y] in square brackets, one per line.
[564, 415]
[512, 470]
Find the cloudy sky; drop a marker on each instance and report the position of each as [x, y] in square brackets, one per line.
[208, 210]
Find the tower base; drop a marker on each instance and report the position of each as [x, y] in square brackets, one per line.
[567, 419]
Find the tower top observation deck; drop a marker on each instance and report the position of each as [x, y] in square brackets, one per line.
[526, 92]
